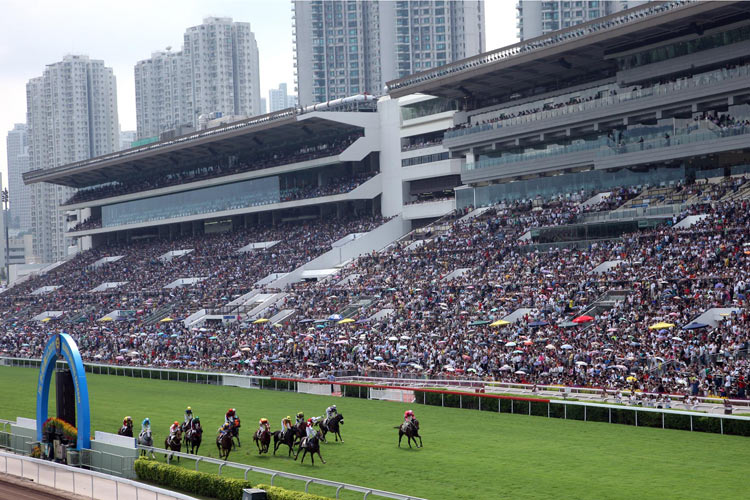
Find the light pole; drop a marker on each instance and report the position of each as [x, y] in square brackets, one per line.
[7, 241]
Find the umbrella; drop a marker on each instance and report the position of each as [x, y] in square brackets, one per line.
[510, 344]
[245, 349]
[378, 358]
[163, 320]
[538, 323]
[660, 326]
[505, 368]
[581, 363]
[500, 322]
[120, 358]
[631, 379]
[106, 318]
[345, 321]
[48, 318]
[520, 372]
[479, 322]
[694, 326]
[677, 339]
[583, 319]
[550, 347]
[566, 346]
[393, 338]
[260, 321]
[302, 321]
[334, 317]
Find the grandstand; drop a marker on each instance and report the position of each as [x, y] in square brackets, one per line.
[583, 220]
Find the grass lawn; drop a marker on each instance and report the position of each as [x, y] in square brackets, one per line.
[467, 454]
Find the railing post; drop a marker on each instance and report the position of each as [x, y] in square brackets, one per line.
[460, 401]
[307, 483]
[584, 413]
[548, 409]
[610, 415]
[565, 409]
[691, 423]
[338, 490]
[662, 420]
[197, 461]
[636, 418]
[221, 466]
[721, 424]
[246, 471]
[273, 476]
[442, 399]
[529, 408]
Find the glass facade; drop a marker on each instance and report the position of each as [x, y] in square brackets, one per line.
[212, 199]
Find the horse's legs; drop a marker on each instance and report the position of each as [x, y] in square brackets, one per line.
[339, 435]
[321, 457]
[400, 435]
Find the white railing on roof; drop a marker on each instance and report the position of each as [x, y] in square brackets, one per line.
[81, 482]
[557, 37]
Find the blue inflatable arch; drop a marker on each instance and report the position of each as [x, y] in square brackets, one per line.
[63, 345]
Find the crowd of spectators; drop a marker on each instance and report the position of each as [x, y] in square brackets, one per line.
[424, 307]
[259, 161]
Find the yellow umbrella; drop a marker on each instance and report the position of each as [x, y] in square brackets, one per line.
[500, 322]
[345, 321]
[106, 318]
[260, 320]
[166, 320]
[46, 319]
[631, 379]
[661, 326]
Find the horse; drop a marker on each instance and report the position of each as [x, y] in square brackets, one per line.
[311, 446]
[299, 431]
[234, 431]
[262, 440]
[145, 439]
[193, 438]
[332, 426]
[173, 444]
[284, 437]
[126, 430]
[224, 444]
[411, 430]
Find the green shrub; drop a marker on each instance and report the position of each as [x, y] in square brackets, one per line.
[200, 483]
[274, 493]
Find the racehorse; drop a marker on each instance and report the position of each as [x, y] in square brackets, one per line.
[126, 430]
[299, 431]
[411, 430]
[262, 440]
[311, 446]
[224, 444]
[145, 439]
[235, 431]
[332, 426]
[174, 443]
[282, 437]
[193, 438]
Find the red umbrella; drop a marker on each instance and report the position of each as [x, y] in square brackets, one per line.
[583, 319]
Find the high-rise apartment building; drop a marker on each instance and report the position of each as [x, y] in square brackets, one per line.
[163, 93]
[279, 99]
[537, 18]
[17, 143]
[223, 56]
[71, 116]
[127, 137]
[346, 47]
[215, 74]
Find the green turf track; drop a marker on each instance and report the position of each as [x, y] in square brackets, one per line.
[467, 454]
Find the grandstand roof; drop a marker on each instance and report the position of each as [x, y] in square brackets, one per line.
[580, 50]
[259, 132]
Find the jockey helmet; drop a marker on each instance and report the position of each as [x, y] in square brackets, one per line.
[225, 426]
[300, 415]
[176, 422]
[197, 420]
[146, 421]
[288, 417]
[263, 420]
[333, 407]
[188, 410]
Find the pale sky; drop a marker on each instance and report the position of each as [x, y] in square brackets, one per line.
[34, 33]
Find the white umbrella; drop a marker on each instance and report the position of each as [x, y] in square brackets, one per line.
[566, 346]
[505, 368]
[520, 372]
[581, 363]
[393, 338]
[550, 347]
[510, 344]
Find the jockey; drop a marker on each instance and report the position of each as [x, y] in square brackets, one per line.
[230, 416]
[188, 417]
[286, 424]
[331, 411]
[264, 425]
[195, 424]
[173, 430]
[224, 429]
[127, 422]
[146, 425]
[300, 418]
[409, 416]
[309, 431]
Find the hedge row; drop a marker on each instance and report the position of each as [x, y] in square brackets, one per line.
[208, 485]
[275, 493]
[200, 483]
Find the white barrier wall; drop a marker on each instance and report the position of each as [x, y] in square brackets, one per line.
[320, 389]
